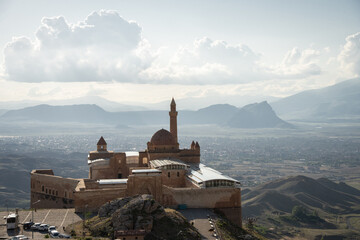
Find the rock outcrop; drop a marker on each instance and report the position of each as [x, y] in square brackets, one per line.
[133, 212]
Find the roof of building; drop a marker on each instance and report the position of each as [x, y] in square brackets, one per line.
[165, 162]
[101, 141]
[112, 181]
[201, 173]
[12, 215]
[163, 137]
[132, 154]
[99, 161]
[135, 171]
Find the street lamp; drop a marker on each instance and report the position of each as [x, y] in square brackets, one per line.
[32, 217]
[84, 220]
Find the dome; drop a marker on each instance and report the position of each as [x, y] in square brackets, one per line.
[163, 137]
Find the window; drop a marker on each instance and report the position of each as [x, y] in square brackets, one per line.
[53, 192]
[45, 190]
[168, 174]
[119, 175]
[42, 188]
[178, 174]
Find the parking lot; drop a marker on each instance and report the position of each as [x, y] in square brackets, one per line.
[54, 217]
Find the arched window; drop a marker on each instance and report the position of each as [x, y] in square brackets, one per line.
[178, 174]
[168, 174]
[42, 188]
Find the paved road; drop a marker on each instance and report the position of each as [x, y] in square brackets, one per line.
[54, 217]
[200, 218]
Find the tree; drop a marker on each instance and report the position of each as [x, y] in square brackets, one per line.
[299, 212]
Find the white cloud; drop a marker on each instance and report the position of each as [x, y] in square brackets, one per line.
[104, 47]
[207, 62]
[297, 64]
[349, 56]
[107, 48]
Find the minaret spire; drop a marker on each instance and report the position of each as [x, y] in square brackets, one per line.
[173, 119]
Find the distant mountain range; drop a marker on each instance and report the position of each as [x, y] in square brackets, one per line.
[338, 102]
[257, 115]
[341, 100]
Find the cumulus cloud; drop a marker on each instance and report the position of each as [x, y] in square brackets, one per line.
[297, 64]
[104, 47]
[207, 62]
[107, 48]
[349, 56]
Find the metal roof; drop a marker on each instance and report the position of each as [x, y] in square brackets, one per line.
[112, 181]
[135, 171]
[201, 173]
[165, 162]
[131, 154]
[99, 161]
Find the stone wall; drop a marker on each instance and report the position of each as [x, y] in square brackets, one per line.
[202, 197]
[173, 178]
[52, 191]
[186, 155]
[233, 214]
[93, 199]
[148, 184]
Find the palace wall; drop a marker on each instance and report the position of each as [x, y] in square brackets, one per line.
[145, 184]
[186, 155]
[52, 191]
[202, 197]
[174, 177]
[226, 200]
[93, 199]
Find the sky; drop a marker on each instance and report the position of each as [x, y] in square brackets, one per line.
[141, 52]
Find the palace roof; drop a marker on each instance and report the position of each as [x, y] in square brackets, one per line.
[101, 141]
[201, 173]
[163, 137]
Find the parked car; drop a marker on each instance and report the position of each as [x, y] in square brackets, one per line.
[43, 227]
[51, 228]
[27, 225]
[35, 226]
[63, 235]
[19, 237]
[54, 234]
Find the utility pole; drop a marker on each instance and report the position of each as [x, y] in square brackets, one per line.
[32, 217]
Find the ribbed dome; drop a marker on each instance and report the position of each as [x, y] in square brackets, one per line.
[163, 137]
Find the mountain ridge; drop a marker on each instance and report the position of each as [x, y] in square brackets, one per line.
[219, 114]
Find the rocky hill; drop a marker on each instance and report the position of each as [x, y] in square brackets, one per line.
[283, 194]
[140, 212]
[256, 115]
[302, 206]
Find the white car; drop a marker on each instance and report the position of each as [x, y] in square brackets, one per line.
[54, 234]
[35, 226]
[43, 227]
[51, 228]
[20, 237]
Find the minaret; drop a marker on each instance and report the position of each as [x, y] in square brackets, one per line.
[173, 119]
